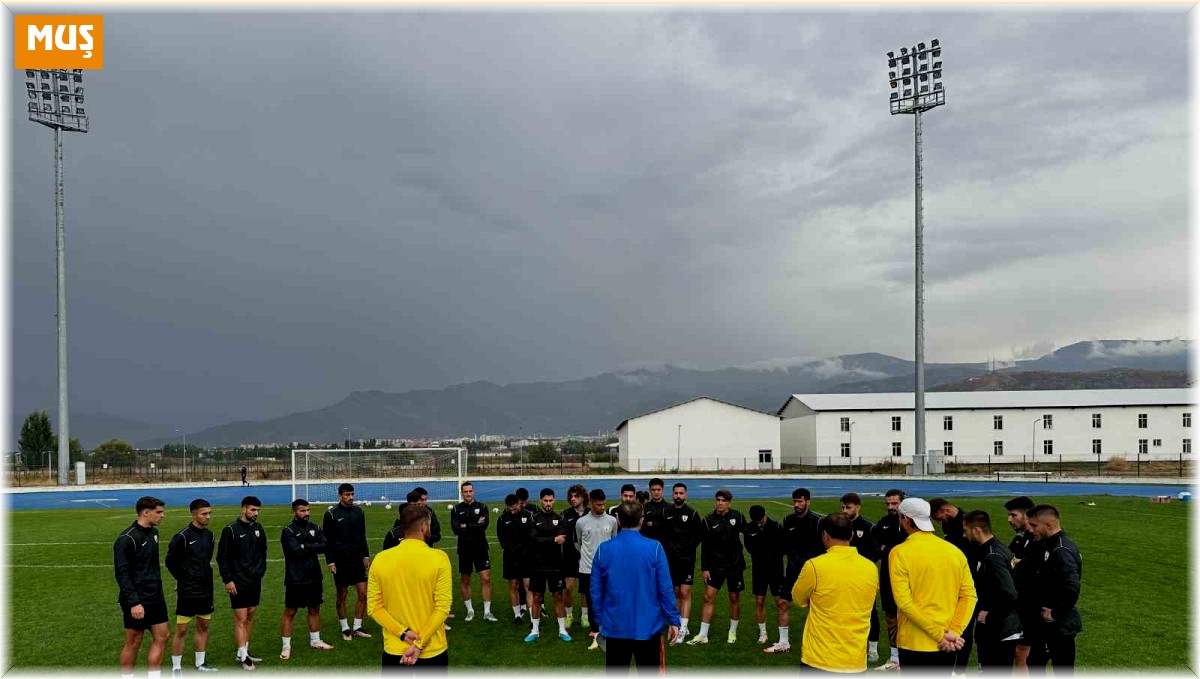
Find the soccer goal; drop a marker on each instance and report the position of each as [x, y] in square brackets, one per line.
[378, 474]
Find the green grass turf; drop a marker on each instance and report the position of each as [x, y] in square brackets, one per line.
[64, 611]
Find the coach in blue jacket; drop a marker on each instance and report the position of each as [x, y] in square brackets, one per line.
[632, 596]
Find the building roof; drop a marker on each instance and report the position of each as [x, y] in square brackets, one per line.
[961, 400]
[698, 398]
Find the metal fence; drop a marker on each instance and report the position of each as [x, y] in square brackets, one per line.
[165, 470]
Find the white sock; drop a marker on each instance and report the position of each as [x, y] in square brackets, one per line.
[585, 611]
[358, 623]
[537, 624]
[242, 651]
[470, 607]
[704, 630]
[562, 625]
[177, 662]
[873, 646]
[733, 626]
[314, 637]
[487, 608]
[783, 635]
[683, 623]
[199, 658]
[570, 612]
[516, 611]
[345, 624]
[153, 674]
[762, 628]
[895, 656]
[287, 642]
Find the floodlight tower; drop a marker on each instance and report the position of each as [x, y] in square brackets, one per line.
[55, 99]
[916, 80]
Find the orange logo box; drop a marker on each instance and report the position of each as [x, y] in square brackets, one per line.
[59, 41]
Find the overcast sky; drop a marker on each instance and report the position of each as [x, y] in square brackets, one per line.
[272, 210]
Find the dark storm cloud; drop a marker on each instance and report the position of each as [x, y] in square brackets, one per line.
[274, 209]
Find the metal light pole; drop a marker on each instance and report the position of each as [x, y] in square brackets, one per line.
[1033, 440]
[915, 79]
[55, 99]
[678, 448]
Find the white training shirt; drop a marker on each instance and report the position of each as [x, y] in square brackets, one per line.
[590, 531]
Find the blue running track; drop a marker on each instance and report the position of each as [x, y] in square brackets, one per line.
[493, 491]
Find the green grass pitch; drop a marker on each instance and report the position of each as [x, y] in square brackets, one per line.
[64, 613]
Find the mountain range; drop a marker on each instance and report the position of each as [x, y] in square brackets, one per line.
[596, 404]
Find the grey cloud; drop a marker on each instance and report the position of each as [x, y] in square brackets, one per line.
[350, 200]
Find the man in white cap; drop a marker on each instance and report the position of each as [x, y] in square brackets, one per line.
[934, 592]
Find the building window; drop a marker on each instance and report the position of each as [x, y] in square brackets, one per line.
[1187, 446]
[1187, 419]
[1143, 446]
[1048, 447]
[997, 422]
[1095, 446]
[997, 448]
[948, 448]
[764, 457]
[1095, 420]
[845, 450]
[896, 449]
[948, 422]
[896, 423]
[1047, 421]
[1143, 421]
[1158, 443]
[845, 424]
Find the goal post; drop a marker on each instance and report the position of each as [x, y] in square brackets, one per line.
[378, 474]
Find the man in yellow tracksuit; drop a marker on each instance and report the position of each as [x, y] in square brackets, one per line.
[839, 589]
[934, 592]
[408, 594]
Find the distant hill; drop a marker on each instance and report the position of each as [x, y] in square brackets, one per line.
[597, 404]
[1113, 378]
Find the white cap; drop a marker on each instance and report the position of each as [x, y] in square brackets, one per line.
[918, 510]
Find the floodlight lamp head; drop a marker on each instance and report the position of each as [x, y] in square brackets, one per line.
[891, 55]
[934, 42]
[903, 50]
[891, 63]
[921, 46]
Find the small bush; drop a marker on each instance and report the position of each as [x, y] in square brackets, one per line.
[1117, 463]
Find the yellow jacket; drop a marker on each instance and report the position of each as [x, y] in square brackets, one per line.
[933, 589]
[408, 587]
[839, 587]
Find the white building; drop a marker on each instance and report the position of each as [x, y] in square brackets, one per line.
[1003, 426]
[700, 434]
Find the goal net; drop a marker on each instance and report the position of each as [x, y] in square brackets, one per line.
[378, 474]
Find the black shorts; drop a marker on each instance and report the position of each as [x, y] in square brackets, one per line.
[735, 580]
[349, 573]
[789, 581]
[478, 559]
[570, 569]
[682, 572]
[192, 606]
[767, 577]
[248, 596]
[514, 569]
[308, 595]
[539, 582]
[155, 613]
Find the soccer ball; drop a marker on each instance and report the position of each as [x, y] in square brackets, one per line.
[368, 503]
[450, 507]
[388, 506]
[495, 510]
